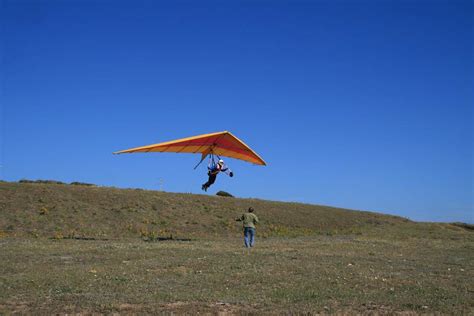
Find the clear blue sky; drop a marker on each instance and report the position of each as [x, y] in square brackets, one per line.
[358, 104]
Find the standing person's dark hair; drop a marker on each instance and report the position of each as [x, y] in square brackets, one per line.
[249, 220]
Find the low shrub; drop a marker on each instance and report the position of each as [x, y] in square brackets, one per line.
[83, 184]
[41, 181]
[26, 181]
[223, 193]
[49, 182]
[162, 234]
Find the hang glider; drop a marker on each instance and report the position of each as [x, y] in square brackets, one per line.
[219, 144]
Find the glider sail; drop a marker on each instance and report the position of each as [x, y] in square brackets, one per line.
[220, 144]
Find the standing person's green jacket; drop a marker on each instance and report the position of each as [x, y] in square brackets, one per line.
[248, 220]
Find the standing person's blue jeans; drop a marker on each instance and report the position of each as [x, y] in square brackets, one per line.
[249, 236]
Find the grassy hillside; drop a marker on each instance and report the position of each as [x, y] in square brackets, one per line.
[62, 210]
[336, 261]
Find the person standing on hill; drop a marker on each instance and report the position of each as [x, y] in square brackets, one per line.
[249, 220]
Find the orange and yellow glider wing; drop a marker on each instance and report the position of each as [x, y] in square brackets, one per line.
[221, 144]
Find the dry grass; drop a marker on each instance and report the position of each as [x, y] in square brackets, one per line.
[280, 275]
[308, 259]
[48, 209]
